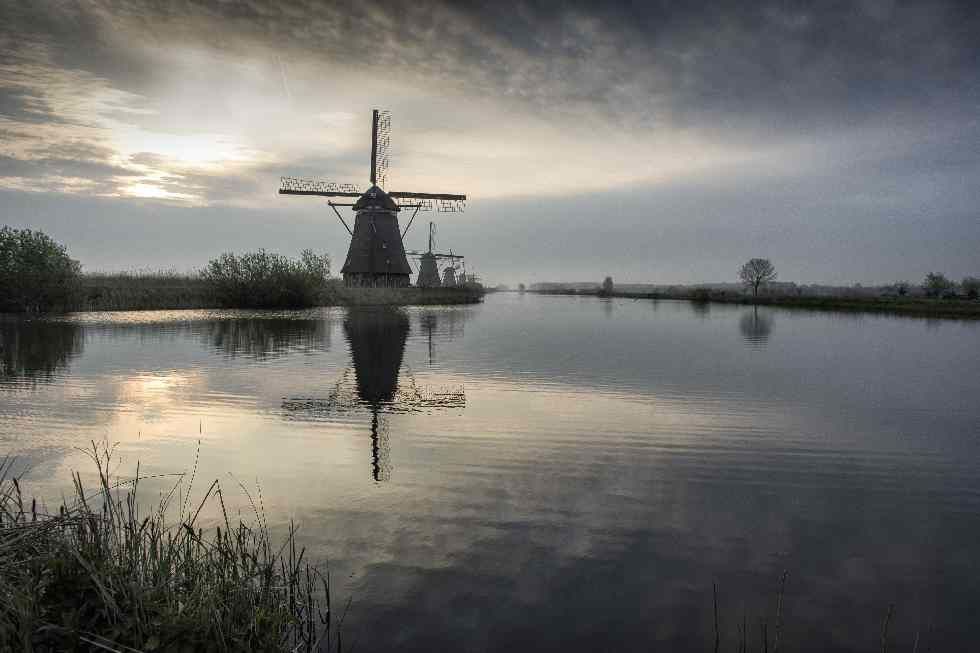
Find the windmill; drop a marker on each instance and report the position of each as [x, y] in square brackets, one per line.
[428, 268]
[376, 257]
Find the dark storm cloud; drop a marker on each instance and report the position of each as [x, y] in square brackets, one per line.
[727, 61]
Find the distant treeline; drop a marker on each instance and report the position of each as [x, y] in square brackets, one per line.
[935, 297]
[37, 275]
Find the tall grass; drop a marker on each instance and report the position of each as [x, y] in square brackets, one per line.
[145, 290]
[102, 573]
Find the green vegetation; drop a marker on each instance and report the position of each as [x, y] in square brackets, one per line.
[971, 287]
[36, 273]
[103, 574]
[265, 280]
[937, 285]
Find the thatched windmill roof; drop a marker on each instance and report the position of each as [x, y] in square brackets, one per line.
[375, 198]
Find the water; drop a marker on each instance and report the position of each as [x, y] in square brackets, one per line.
[551, 473]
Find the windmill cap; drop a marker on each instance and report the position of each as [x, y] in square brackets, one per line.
[375, 198]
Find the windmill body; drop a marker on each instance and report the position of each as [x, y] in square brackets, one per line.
[376, 256]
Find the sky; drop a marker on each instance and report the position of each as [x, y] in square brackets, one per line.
[655, 142]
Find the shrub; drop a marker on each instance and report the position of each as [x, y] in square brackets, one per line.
[971, 287]
[937, 285]
[36, 273]
[265, 280]
[701, 295]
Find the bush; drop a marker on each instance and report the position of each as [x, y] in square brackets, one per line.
[701, 295]
[971, 287]
[265, 280]
[937, 285]
[36, 273]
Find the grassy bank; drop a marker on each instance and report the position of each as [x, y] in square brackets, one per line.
[918, 306]
[102, 573]
[137, 291]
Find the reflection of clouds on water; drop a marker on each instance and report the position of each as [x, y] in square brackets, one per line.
[700, 308]
[36, 350]
[441, 325]
[756, 327]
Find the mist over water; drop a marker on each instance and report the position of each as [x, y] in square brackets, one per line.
[552, 473]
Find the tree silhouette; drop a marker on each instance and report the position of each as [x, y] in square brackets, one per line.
[757, 272]
[607, 287]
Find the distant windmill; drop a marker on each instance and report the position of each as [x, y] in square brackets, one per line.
[376, 256]
[429, 270]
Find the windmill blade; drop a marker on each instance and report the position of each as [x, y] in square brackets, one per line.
[450, 206]
[425, 196]
[299, 186]
[409, 203]
[444, 202]
[383, 156]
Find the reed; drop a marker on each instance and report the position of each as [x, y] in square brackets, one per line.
[145, 290]
[103, 573]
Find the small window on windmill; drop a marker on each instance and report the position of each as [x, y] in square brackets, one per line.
[384, 245]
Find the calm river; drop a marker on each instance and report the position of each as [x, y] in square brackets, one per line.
[551, 473]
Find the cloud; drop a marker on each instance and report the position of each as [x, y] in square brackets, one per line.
[863, 112]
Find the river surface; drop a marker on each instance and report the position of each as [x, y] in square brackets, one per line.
[551, 473]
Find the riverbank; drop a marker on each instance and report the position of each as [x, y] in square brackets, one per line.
[105, 573]
[168, 291]
[913, 306]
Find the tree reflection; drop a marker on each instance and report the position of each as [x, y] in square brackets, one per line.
[701, 308]
[756, 327]
[259, 338]
[37, 349]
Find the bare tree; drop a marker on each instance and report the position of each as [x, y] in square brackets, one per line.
[757, 272]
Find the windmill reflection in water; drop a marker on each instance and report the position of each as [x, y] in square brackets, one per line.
[377, 336]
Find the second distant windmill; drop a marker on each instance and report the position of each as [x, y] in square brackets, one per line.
[429, 268]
